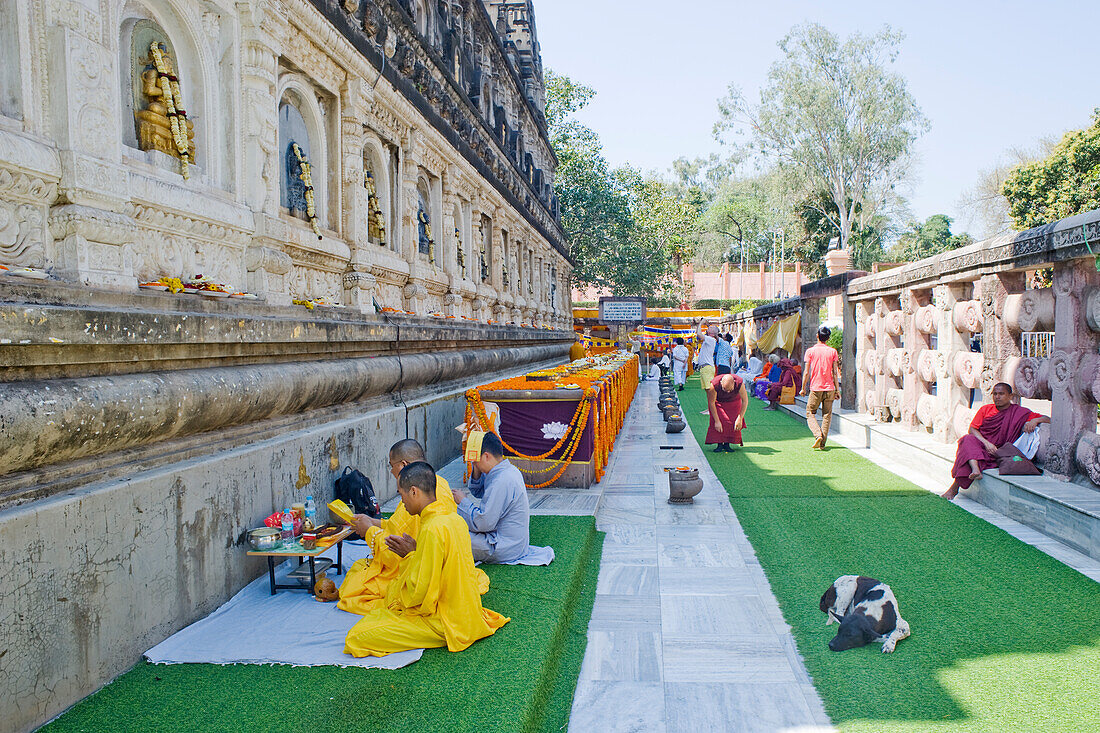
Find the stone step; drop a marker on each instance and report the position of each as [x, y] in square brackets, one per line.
[1062, 510]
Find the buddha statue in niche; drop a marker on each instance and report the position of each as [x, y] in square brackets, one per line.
[153, 126]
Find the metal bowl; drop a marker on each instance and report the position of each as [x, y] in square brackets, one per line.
[264, 538]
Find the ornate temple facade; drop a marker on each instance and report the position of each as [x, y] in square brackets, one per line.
[375, 153]
[373, 178]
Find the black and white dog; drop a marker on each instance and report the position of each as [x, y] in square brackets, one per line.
[867, 611]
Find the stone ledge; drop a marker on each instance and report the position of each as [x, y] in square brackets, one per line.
[1065, 511]
[52, 422]
[58, 330]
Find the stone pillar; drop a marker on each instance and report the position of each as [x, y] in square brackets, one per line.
[446, 255]
[266, 270]
[359, 291]
[259, 79]
[887, 338]
[354, 222]
[950, 395]
[916, 341]
[810, 321]
[850, 368]
[1073, 406]
[836, 262]
[1000, 347]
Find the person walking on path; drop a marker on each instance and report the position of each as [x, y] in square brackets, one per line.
[680, 356]
[727, 402]
[704, 358]
[822, 383]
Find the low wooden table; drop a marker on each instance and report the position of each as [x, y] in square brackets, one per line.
[301, 553]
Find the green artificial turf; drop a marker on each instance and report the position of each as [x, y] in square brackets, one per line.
[520, 679]
[1005, 638]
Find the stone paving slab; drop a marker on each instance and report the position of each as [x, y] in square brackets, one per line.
[685, 632]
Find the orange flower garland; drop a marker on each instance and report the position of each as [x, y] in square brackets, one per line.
[608, 394]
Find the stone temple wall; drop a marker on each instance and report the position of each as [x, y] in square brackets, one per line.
[142, 433]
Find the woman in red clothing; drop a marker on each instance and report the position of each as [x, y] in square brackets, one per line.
[727, 400]
[993, 426]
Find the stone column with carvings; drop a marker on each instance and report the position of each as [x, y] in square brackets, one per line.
[259, 78]
[851, 371]
[915, 342]
[1000, 347]
[447, 243]
[266, 270]
[351, 167]
[950, 342]
[866, 355]
[359, 290]
[1073, 367]
[810, 321]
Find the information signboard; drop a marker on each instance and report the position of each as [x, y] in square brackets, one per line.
[622, 310]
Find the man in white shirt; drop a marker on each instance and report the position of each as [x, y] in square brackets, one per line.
[708, 341]
[680, 356]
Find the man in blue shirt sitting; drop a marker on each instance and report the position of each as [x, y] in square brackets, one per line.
[500, 523]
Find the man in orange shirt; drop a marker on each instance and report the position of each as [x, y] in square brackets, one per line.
[821, 382]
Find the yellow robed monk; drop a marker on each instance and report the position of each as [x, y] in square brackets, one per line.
[366, 581]
[434, 600]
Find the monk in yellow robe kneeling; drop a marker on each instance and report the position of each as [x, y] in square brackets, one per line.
[435, 599]
[366, 581]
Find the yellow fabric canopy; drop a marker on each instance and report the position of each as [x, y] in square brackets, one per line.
[747, 337]
[780, 335]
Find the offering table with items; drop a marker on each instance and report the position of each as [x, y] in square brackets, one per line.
[315, 566]
[558, 425]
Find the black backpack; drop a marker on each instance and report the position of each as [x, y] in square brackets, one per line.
[355, 490]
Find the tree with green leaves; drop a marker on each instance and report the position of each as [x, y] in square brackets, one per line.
[627, 234]
[1064, 184]
[930, 238]
[834, 117]
[816, 231]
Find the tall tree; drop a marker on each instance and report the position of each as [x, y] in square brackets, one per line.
[834, 117]
[1064, 184]
[930, 238]
[816, 231]
[627, 234]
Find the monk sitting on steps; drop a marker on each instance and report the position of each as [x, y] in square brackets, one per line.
[993, 427]
[434, 600]
[366, 581]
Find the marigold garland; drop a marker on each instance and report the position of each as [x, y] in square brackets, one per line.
[608, 393]
[306, 176]
[173, 100]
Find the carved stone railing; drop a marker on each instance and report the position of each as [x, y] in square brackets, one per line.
[915, 326]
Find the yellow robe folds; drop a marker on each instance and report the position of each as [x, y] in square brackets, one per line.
[434, 600]
[366, 581]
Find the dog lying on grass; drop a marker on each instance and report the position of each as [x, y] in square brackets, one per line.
[866, 610]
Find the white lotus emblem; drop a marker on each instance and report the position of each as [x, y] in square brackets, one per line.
[554, 430]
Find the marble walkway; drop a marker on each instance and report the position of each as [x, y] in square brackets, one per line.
[685, 633]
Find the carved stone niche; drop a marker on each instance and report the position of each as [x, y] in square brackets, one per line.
[1031, 310]
[967, 316]
[267, 268]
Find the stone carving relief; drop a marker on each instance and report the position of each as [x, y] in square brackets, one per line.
[926, 319]
[967, 316]
[897, 361]
[967, 369]
[926, 410]
[1031, 310]
[895, 323]
[1087, 453]
[926, 365]
[894, 400]
[22, 234]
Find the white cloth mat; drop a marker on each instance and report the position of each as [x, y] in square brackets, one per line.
[255, 627]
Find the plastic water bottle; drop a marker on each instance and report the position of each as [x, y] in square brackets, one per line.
[287, 534]
[311, 513]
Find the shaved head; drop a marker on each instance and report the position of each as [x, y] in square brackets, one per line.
[407, 450]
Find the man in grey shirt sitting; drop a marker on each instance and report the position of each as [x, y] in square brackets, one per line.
[500, 523]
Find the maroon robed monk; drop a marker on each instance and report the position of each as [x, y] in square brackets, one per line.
[788, 377]
[727, 401]
[993, 426]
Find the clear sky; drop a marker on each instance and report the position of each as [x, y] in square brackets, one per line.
[988, 74]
